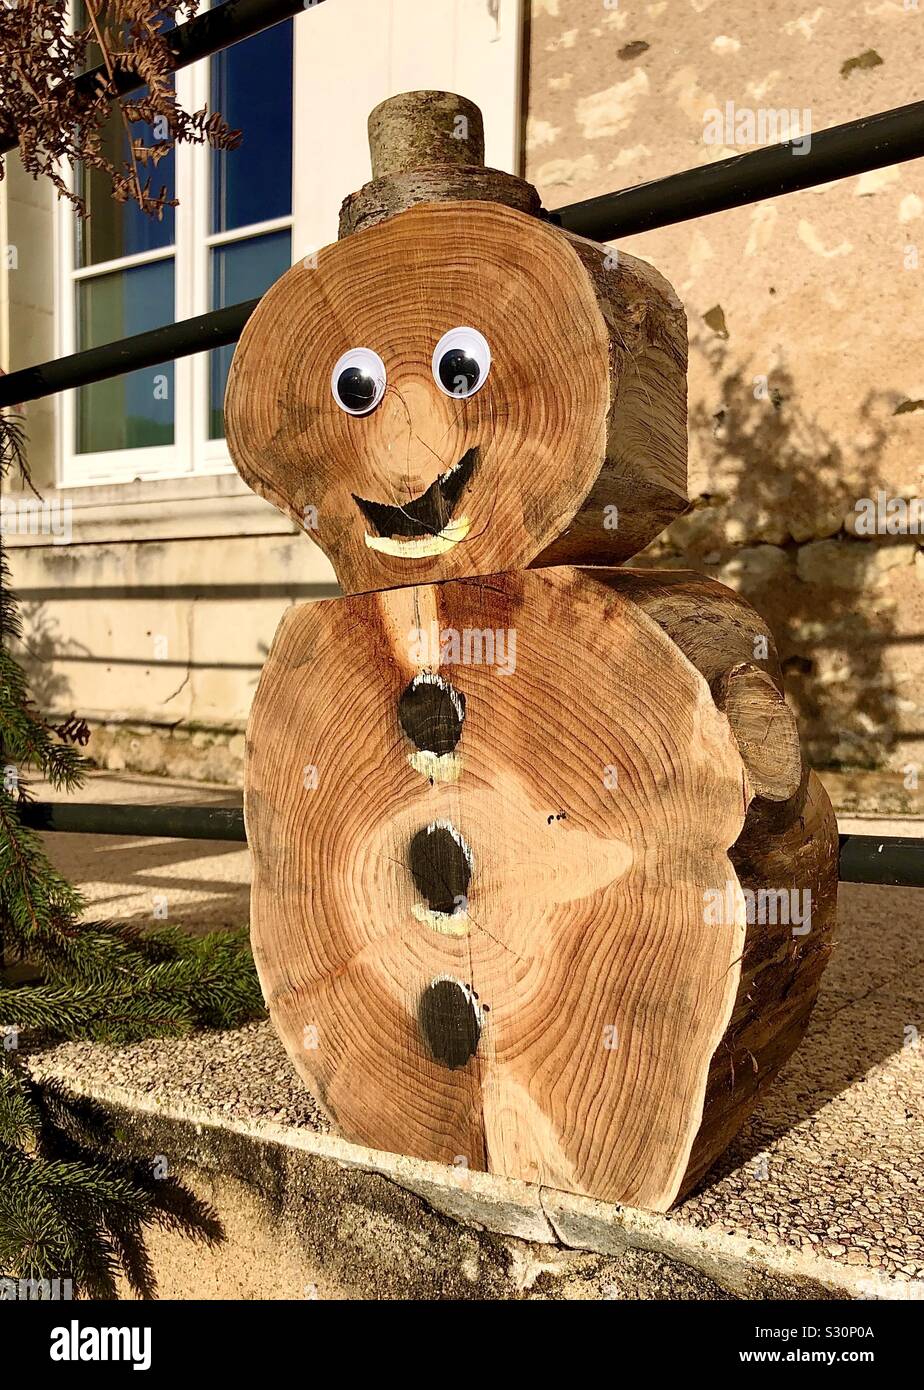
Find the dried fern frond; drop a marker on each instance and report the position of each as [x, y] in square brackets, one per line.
[55, 121]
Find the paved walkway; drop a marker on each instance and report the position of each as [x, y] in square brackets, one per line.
[200, 884]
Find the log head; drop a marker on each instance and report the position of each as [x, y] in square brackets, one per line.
[462, 388]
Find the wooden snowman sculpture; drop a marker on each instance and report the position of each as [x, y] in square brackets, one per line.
[540, 884]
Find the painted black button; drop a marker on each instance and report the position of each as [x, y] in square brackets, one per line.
[431, 713]
[441, 868]
[449, 1022]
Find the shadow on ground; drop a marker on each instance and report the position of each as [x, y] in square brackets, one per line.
[871, 1010]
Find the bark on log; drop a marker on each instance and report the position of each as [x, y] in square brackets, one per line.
[429, 147]
[420, 130]
[384, 197]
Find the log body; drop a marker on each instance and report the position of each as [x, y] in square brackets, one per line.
[787, 850]
[504, 833]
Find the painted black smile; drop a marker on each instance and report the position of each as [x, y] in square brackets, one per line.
[428, 514]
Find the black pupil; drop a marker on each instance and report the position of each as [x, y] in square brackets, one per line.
[459, 372]
[356, 388]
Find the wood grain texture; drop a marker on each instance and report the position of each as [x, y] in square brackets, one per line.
[541, 883]
[788, 846]
[764, 727]
[599, 798]
[578, 431]
[722, 634]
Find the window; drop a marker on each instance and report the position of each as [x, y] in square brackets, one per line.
[228, 240]
[250, 217]
[242, 218]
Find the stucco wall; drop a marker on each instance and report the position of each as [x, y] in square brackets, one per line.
[27, 297]
[820, 292]
[155, 623]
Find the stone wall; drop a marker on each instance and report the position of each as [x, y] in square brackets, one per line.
[805, 323]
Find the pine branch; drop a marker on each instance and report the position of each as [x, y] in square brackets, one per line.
[81, 1188]
[38, 906]
[157, 989]
[13, 448]
[66, 1212]
[20, 1117]
[36, 1240]
[27, 737]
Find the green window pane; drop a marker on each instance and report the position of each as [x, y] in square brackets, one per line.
[112, 229]
[115, 229]
[133, 411]
[240, 270]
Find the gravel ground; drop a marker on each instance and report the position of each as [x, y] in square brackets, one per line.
[830, 1162]
[243, 1073]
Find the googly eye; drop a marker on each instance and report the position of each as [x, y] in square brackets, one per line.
[461, 362]
[358, 381]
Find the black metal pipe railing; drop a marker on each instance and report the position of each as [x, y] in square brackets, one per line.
[171, 822]
[206, 34]
[853, 148]
[837, 153]
[166, 344]
[897, 861]
[894, 860]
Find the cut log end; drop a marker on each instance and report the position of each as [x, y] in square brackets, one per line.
[515, 964]
[765, 730]
[559, 439]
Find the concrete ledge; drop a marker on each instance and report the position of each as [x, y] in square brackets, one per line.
[307, 1216]
[285, 1193]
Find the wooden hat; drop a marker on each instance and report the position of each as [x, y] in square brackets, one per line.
[563, 443]
[429, 147]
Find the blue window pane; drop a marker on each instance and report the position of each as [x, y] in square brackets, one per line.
[240, 270]
[252, 90]
[136, 410]
[122, 229]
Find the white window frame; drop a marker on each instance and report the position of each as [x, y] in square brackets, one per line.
[192, 453]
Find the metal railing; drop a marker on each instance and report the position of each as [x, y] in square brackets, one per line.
[840, 152]
[855, 147]
[890, 859]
